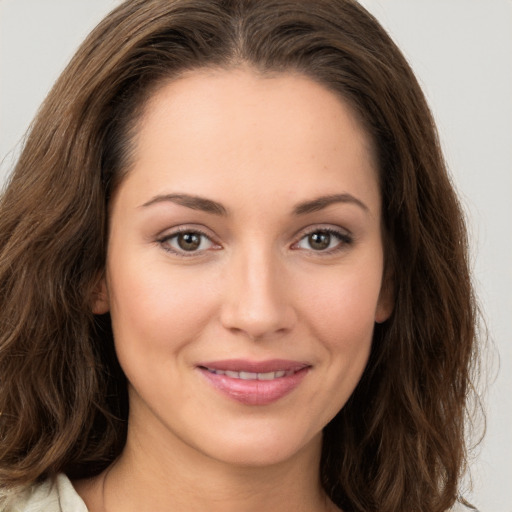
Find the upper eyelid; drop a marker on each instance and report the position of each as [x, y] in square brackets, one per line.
[174, 231]
[164, 242]
[187, 228]
[332, 228]
[344, 236]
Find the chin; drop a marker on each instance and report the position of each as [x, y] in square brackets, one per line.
[268, 447]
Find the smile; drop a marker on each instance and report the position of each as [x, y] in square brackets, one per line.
[252, 375]
[254, 383]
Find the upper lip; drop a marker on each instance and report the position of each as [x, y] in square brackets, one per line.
[243, 365]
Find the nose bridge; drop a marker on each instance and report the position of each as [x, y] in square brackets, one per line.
[256, 301]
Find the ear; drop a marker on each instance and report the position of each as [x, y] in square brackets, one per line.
[100, 300]
[386, 302]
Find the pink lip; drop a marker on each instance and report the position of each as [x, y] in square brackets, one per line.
[243, 365]
[254, 391]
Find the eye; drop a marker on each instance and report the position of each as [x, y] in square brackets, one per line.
[187, 242]
[323, 240]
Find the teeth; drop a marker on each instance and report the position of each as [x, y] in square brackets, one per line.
[252, 375]
[248, 376]
[268, 376]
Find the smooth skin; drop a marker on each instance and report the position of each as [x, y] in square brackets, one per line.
[248, 227]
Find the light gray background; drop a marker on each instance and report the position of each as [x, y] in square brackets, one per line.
[461, 51]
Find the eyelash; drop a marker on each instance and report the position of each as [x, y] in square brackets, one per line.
[165, 240]
[344, 239]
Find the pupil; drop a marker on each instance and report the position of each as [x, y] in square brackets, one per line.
[189, 241]
[319, 240]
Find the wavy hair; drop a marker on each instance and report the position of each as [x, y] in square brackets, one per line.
[399, 442]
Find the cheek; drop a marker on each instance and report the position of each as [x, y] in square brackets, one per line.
[339, 311]
[341, 315]
[154, 309]
[344, 325]
[342, 307]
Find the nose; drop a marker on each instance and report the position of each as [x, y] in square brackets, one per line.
[257, 300]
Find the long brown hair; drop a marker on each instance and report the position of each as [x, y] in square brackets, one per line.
[398, 444]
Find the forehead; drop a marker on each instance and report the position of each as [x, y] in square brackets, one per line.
[212, 129]
[209, 95]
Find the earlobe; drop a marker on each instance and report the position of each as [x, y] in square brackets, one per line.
[100, 300]
[384, 310]
[386, 301]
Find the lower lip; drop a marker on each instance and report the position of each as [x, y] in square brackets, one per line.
[255, 392]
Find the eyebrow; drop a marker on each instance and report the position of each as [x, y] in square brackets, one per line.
[193, 202]
[209, 206]
[324, 201]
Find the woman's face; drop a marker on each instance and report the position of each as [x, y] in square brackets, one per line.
[244, 266]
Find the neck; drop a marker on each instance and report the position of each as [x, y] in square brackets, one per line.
[175, 477]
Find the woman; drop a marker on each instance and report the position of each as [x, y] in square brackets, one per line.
[234, 272]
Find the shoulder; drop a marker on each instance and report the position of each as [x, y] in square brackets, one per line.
[459, 507]
[52, 495]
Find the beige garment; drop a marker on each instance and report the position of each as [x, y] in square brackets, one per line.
[56, 495]
[60, 496]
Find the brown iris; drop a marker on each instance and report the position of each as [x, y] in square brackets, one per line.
[189, 241]
[319, 240]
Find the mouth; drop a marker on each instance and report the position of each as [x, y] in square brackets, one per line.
[252, 375]
[254, 383]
